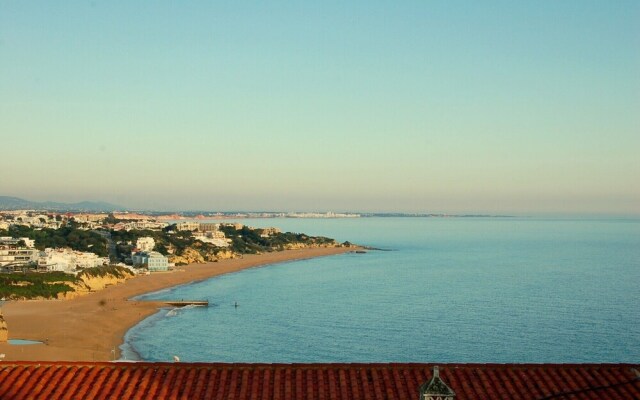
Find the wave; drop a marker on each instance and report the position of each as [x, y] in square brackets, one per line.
[190, 306]
[146, 296]
[174, 311]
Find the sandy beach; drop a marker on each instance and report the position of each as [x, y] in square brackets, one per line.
[92, 327]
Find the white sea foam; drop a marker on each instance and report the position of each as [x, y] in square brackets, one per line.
[172, 313]
[190, 306]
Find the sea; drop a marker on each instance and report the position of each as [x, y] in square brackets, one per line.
[462, 289]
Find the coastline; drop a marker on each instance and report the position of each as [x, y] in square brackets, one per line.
[92, 327]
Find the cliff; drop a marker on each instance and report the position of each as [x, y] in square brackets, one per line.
[4, 331]
[90, 283]
[188, 256]
[193, 255]
[299, 245]
[199, 254]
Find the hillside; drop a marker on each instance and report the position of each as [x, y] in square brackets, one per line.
[57, 285]
[184, 248]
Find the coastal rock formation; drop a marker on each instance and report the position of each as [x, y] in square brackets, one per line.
[210, 256]
[194, 256]
[88, 284]
[188, 256]
[100, 282]
[299, 245]
[225, 255]
[4, 330]
[198, 255]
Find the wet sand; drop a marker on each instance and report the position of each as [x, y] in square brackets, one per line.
[92, 327]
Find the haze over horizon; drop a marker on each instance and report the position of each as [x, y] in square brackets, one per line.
[436, 107]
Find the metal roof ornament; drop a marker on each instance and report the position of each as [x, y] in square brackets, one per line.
[436, 389]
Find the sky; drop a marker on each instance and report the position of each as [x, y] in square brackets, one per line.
[415, 106]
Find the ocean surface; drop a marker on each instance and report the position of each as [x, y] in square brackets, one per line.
[447, 290]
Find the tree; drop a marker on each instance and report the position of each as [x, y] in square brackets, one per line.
[110, 219]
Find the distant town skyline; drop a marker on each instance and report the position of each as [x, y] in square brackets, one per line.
[465, 107]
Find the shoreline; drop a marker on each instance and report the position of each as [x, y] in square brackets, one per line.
[83, 329]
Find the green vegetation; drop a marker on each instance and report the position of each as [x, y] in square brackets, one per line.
[68, 236]
[168, 241]
[49, 284]
[165, 239]
[243, 241]
[32, 285]
[113, 270]
[250, 241]
[110, 219]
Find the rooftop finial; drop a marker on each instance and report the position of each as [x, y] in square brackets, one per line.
[436, 388]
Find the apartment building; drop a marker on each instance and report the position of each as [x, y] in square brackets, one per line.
[145, 243]
[15, 256]
[153, 260]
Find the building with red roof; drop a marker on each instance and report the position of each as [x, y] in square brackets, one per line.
[143, 380]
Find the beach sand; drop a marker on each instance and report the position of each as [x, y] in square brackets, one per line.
[92, 327]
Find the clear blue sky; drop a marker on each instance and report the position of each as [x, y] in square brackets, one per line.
[449, 106]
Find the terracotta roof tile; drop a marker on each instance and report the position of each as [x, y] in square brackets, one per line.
[131, 384]
[68, 380]
[84, 385]
[109, 384]
[123, 380]
[213, 376]
[62, 379]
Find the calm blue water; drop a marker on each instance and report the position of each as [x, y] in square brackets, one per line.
[23, 342]
[451, 290]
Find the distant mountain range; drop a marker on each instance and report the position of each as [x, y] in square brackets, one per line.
[15, 203]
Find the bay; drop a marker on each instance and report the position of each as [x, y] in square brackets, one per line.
[447, 290]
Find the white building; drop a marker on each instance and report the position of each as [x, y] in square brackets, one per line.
[217, 238]
[55, 261]
[153, 260]
[17, 256]
[215, 234]
[140, 225]
[188, 226]
[145, 243]
[266, 232]
[208, 226]
[68, 260]
[90, 217]
[89, 260]
[235, 225]
[8, 240]
[213, 240]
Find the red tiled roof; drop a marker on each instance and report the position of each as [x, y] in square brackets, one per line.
[80, 380]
